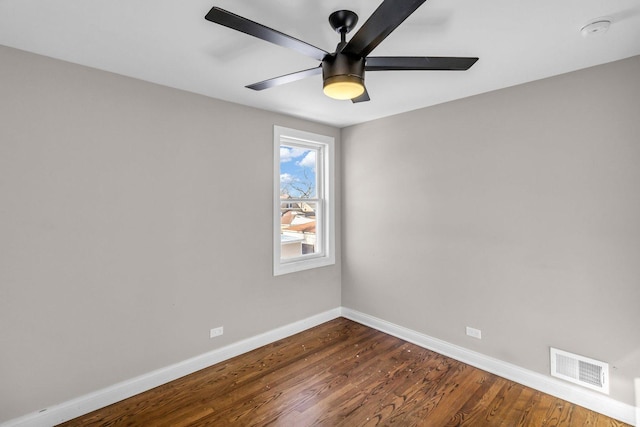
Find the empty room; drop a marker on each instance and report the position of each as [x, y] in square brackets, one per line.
[336, 213]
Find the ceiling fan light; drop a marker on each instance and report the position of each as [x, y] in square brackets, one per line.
[343, 87]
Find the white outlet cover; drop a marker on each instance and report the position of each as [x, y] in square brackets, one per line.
[473, 332]
[216, 332]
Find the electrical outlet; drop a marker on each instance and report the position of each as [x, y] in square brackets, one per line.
[216, 332]
[473, 332]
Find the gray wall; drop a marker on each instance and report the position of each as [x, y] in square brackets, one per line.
[516, 212]
[133, 218]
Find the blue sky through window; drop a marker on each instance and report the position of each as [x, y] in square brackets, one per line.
[297, 171]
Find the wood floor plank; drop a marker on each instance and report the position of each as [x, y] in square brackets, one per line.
[502, 406]
[357, 371]
[443, 400]
[474, 411]
[274, 387]
[397, 386]
[394, 395]
[342, 373]
[357, 367]
[532, 398]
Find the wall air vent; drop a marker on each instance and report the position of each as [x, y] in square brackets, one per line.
[580, 370]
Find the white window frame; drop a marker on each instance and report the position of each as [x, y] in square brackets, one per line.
[325, 227]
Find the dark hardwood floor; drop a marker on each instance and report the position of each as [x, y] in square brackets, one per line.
[342, 373]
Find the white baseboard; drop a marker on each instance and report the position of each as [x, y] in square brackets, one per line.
[583, 397]
[84, 404]
[107, 396]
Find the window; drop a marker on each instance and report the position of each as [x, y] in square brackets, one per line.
[303, 235]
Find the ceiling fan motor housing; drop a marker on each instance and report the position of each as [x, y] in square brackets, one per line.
[341, 67]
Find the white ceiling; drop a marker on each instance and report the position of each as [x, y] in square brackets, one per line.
[170, 43]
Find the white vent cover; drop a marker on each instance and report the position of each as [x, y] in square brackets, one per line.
[580, 370]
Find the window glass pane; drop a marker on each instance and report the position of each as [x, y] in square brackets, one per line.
[298, 167]
[298, 229]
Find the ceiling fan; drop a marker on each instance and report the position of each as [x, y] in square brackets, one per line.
[343, 70]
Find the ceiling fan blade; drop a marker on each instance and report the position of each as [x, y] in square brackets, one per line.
[287, 78]
[380, 24]
[362, 98]
[384, 63]
[235, 22]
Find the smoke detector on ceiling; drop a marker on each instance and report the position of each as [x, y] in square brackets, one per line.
[599, 26]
